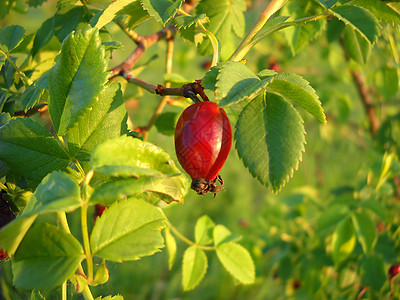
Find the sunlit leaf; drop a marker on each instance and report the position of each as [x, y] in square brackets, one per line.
[194, 267]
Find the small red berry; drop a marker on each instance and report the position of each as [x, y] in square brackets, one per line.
[394, 270]
[203, 139]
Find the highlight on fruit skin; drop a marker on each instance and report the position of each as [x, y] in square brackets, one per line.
[203, 139]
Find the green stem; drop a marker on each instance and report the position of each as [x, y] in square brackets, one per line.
[27, 81]
[210, 36]
[186, 240]
[63, 220]
[85, 228]
[87, 294]
[272, 8]
[72, 158]
[283, 26]
[64, 224]
[86, 242]
[64, 291]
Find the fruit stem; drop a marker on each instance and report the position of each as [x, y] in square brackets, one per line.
[243, 48]
[185, 239]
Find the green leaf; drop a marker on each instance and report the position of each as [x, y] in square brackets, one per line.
[387, 82]
[328, 3]
[194, 267]
[162, 10]
[365, 230]
[56, 193]
[43, 35]
[381, 10]
[111, 12]
[226, 23]
[187, 21]
[135, 14]
[136, 234]
[295, 88]
[171, 247]
[12, 234]
[210, 79]
[77, 78]
[46, 258]
[31, 96]
[30, 150]
[166, 123]
[221, 234]
[299, 36]
[10, 37]
[359, 19]
[167, 188]
[236, 82]
[373, 272]
[237, 261]
[143, 158]
[2, 60]
[375, 207]
[70, 16]
[343, 240]
[356, 46]
[274, 149]
[331, 216]
[203, 230]
[105, 120]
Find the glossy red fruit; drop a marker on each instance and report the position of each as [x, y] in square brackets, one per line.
[203, 139]
[3, 255]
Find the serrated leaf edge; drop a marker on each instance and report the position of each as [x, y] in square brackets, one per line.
[347, 22]
[291, 173]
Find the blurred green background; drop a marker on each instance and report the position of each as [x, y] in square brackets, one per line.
[279, 230]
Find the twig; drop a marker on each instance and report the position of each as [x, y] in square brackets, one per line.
[189, 90]
[365, 96]
[143, 42]
[37, 108]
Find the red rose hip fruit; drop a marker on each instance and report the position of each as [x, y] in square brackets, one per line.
[203, 139]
